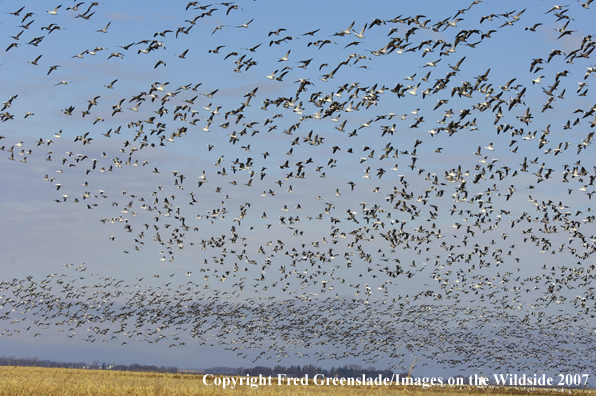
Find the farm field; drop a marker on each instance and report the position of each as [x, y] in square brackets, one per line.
[75, 382]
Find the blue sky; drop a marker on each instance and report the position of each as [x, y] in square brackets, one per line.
[113, 197]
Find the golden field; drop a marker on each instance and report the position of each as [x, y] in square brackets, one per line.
[75, 382]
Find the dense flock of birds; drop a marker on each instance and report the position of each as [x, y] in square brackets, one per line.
[377, 214]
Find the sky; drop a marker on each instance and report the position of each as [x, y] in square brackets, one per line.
[435, 155]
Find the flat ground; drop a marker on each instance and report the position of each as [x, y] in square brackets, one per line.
[74, 382]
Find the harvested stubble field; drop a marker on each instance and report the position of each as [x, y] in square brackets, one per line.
[75, 382]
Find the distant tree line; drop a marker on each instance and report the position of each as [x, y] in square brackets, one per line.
[352, 370]
[35, 362]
